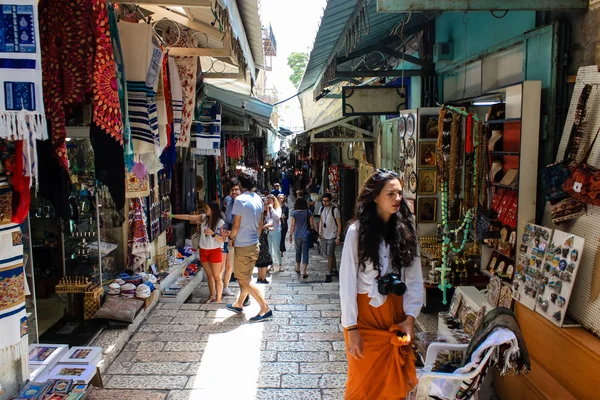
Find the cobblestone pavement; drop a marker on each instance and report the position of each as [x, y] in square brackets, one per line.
[203, 351]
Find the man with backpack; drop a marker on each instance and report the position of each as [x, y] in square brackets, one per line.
[330, 232]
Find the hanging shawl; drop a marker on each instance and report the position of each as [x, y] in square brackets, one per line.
[13, 318]
[106, 131]
[499, 332]
[169, 154]
[143, 61]
[187, 67]
[138, 244]
[176, 96]
[79, 65]
[122, 82]
[21, 94]
[206, 133]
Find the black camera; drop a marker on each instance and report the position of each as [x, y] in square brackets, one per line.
[391, 284]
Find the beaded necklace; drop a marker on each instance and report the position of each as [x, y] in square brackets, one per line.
[445, 172]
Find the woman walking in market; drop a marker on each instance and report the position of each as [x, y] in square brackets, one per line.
[265, 260]
[381, 292]
[275, 234]
[302, 224]
[285, 215]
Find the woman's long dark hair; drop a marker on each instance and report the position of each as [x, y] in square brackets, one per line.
[399, 232]
[216, 215]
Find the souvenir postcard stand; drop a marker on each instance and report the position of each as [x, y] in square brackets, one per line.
[559, 271]
[532, 250]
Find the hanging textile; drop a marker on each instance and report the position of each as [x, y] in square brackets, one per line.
[106, 130]
[21, 94]
[161, 107]
[13, 318]
[187, 67]
[78, 65]
[137, 181]
[122, 85]
[235, 148]
[169, 154]
[176, 96]
[142, 59]
[138, 244]
[206, 133]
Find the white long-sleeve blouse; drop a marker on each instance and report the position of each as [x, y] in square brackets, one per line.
[354, 280]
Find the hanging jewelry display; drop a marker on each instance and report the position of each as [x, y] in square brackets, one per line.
[448, 143]
[402, 126]
[453, 165]
[410, 148]
[410, 125]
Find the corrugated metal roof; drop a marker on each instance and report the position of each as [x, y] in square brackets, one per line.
[251, 19]
[332, 31]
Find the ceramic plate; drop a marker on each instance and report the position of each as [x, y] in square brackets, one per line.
[410, 125]
[401, 126]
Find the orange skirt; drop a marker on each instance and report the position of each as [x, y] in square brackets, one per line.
[387, 371]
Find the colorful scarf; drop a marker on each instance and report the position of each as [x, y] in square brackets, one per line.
[21, 95]
[22, 115]
[188, 67]
[122, 82]
[139, 246]
[78, 65]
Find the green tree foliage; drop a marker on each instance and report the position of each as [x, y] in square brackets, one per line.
[297, 62]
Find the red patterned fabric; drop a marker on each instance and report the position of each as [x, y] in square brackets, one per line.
[77, 62]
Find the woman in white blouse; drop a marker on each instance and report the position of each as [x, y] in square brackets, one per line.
[381, 291]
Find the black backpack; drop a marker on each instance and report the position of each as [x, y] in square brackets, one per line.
[333, 208]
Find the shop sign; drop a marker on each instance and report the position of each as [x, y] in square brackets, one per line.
[373, 100]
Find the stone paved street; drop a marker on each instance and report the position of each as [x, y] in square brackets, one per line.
[203, 351]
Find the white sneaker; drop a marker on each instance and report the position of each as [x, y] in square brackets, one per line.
[281, 269]
[227, 292]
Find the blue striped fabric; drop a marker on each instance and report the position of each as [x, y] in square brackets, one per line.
[143, 117]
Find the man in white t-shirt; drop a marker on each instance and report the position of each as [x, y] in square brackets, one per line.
[247, 224]
[330, 231]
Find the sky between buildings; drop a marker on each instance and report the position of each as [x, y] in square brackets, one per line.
[295, 24]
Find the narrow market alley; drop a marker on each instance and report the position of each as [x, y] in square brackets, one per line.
[203, 351]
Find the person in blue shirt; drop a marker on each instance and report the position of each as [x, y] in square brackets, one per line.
[247, 224]
[276, 190]
[234, 192]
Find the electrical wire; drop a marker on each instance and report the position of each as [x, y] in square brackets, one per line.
[497, 16]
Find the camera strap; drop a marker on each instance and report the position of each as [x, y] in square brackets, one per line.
[387, 266]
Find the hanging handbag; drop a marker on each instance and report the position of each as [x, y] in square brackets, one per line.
[566, 210]
[584, 182]
[555, 175]
[196, 238]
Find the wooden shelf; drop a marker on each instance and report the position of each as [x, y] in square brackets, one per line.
[503, 121]
[498, 252]
[505, 153]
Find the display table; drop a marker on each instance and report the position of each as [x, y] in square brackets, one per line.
[564, 362]
[175, 273]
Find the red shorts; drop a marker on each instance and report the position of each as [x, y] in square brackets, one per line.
[211, 255]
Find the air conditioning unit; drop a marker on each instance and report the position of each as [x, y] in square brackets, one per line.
[443, 51]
